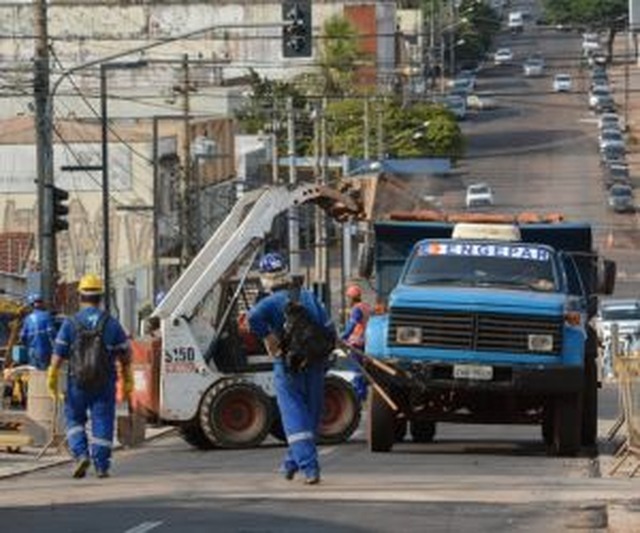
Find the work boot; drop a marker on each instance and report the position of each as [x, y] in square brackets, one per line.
[80, 467]
[313, 479]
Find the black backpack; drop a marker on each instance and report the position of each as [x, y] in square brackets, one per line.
[304, 342]
[89, 362]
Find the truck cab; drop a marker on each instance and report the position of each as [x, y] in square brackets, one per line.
[487, 323]
[516, 22]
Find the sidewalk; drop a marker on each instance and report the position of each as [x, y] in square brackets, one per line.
[24, 462]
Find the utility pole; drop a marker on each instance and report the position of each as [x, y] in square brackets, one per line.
[185, 189]
[44, 155]
[380, 132]
[366, 129]
[627, 58]
[294, 226]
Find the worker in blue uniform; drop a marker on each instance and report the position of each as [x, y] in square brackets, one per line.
[38, 333]
[299, 394]
[80, 401]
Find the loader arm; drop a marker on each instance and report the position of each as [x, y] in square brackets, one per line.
[240, 233]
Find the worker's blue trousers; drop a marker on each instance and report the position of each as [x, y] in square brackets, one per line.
[300, 397]
[101, 407]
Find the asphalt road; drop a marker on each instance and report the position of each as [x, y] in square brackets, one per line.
[538, 153]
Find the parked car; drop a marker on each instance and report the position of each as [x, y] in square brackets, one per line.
[611, 137]
[595, 93]
[481, 101]
[503, 56]
[605, 104]
[468, 74]
[616, 174]
[621, 199]
[613, 155]
[562, 83]
[479, 194]
[607, 120]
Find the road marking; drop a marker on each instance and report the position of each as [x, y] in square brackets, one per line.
[144, 527]
[588, 120]
[327, 451]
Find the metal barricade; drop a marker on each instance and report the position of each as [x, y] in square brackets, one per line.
[626, 365]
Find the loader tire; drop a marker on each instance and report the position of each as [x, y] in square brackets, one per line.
[192, 434]
[590, 391]
[381, 433]
[341, 411]
[235, 414]
[567, 425]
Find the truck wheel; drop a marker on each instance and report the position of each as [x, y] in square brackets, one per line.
[423, 430]
[590, 391]
[341, 411]
[567, 425]
[235, 414]
[382, 423]
[192, 434]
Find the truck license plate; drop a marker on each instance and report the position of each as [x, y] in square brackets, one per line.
[473, 372]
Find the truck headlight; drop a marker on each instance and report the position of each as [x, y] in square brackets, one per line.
[540, 343]
[408, 335]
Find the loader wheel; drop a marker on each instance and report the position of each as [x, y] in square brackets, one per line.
[422, 430]
[341, 411]
[590, 391]
[235, 414]
[567, 424]
[381, 432]
[192, 434]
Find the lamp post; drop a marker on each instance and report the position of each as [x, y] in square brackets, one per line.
[104, 68]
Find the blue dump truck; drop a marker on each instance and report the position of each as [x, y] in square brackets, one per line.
[485, 322]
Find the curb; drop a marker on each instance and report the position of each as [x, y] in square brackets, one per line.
[35, 465]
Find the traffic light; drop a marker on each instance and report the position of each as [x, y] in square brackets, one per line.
[60, 209]
[296, 32]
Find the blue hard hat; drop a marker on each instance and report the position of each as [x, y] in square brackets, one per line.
[272, 262]
[34, 297]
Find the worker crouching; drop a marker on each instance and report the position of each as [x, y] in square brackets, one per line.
[283, 320]
[91, 341]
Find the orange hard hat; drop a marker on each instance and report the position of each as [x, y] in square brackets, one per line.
[353, 291]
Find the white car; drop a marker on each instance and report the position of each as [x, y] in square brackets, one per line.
[533, 67]
[623, 312]
[503, 56]
[562, 83]
[479, 194]
[481, 101]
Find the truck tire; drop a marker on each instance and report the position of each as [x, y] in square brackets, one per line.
[366, 260]
[381, 424]
[590, 391]
[192, 434]
[423, 430]
[567, 425]
[235, 414]
[341, 411]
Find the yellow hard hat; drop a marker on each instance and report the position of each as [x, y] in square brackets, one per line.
[90, 284]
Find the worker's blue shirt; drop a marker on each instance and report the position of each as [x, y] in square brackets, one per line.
[38, 335]
[267, 316]
[355, 317]
[115, 338]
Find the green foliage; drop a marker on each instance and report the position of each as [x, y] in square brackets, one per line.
[339, 56]
[593, 14]
[420, 130]
[477, 34]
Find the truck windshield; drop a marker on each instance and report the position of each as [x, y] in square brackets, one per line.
[473, 264]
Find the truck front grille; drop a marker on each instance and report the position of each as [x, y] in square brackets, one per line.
[489, 332]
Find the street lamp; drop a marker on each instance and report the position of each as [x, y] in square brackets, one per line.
[104, 67]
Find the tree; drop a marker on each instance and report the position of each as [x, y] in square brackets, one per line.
[420, 130]
[596, 15]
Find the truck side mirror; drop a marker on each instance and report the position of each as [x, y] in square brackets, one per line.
[606, 276]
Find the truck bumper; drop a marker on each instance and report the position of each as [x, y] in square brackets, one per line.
[546, 380]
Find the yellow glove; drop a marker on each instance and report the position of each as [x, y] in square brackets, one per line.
[52, 381]
[127, 381]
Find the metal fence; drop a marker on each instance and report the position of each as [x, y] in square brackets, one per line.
[626, 367]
